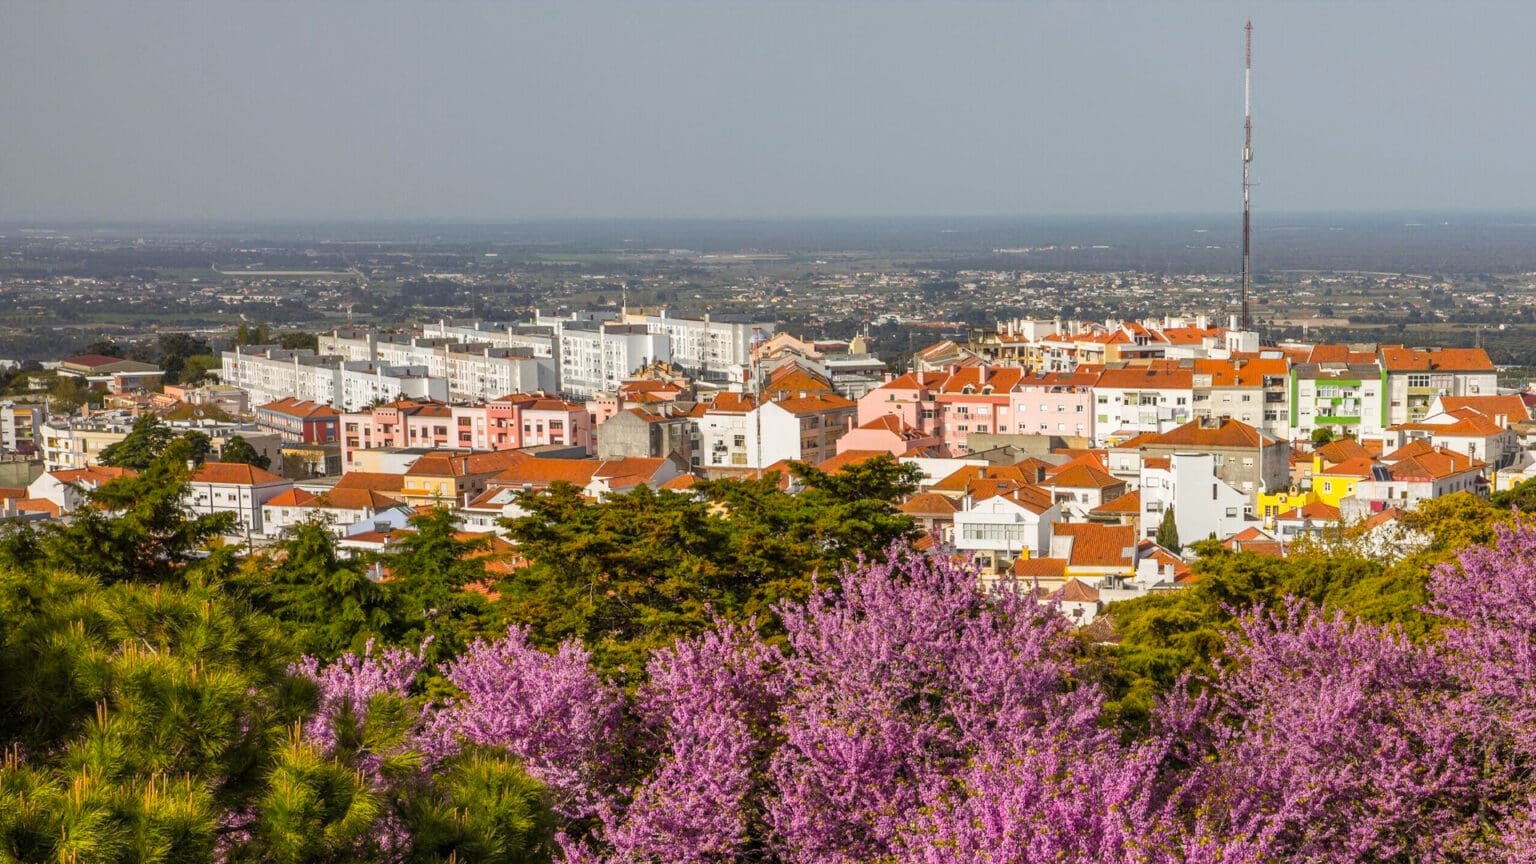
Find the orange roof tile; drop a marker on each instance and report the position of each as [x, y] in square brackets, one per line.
[1040, 568]
[814, 403]
[1196, 433]
[1130, 502]
[1510, 406]
[294, 497]
[1316, 511]
[850, 457]
[929, 504]
[1397, 358]
[234, 473]
[1095, 545]
[382, 482]
[1081, 476]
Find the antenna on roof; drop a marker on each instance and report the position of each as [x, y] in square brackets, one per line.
[1247, 160]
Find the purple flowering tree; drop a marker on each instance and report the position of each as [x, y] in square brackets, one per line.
[1323, 739]
[551, 711]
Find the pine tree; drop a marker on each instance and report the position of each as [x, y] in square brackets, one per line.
[1168, 531]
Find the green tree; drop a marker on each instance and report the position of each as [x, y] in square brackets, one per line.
[635, 571]
[1322, 435]
[199, 367]
[68, 393]
[237, 449]
[433, 578]
[1522, 497]
[137, 529]
[1168, 531]
[326, 603]
[174, 351]
[199, 445]
[103, 346]
[298, 341]
[143, 445]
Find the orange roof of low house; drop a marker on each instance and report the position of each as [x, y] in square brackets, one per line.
[1510, 406]
[929, 504]
[850, 457]
[680, 483]
[1316, 511]
[94, 475]
[294, 497]
[1130, 502]
[1359, 466]
[732, 403]
[299, 408]
[381, 481]
[1342, 450]
[1467, 422]
[982, 380]
[1096, 545]
[235, 474]
[1040, 568]
[1076, 591]
[1159, 374]
[353, 499]
[1082, 477]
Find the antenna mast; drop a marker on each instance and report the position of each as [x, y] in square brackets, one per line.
[1247, 159]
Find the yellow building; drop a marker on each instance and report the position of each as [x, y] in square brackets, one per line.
[1272, 504]
[1335, 483]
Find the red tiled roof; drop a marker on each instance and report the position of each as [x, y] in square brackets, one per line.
[929, 504]
[1196, 433]
[1040, 568]
[294, 497]
[850, 457]
[299, 408]
[1082, 477]
[1316, 511]
[382, 482]
[234, 473]
[1130, 502]
[814, 403]
[1397, 358]
[1095, 545]
[1510, 406]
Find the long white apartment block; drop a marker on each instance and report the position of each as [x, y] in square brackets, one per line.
[475, 371]
[268, 373]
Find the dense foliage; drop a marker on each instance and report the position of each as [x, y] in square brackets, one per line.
[742, 674]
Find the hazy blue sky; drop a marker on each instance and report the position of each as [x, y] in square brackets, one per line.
[323, 109]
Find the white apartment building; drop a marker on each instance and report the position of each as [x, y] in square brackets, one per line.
[18, 423]
[1136, 399]
[709, 347]
[269, 374]
[596, 357]
[1204, 505]
[224, 487]
[1005, 527]
[476, 372]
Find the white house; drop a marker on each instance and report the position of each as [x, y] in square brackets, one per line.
[1008, 526]
[1204, 505]
[232, 487]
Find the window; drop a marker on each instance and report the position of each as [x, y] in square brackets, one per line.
[1418, 380]
[739, 441]
[1231, 512]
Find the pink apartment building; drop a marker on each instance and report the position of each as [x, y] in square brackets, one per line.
[508, 423]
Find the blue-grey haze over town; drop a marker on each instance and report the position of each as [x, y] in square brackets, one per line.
[486, 111]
